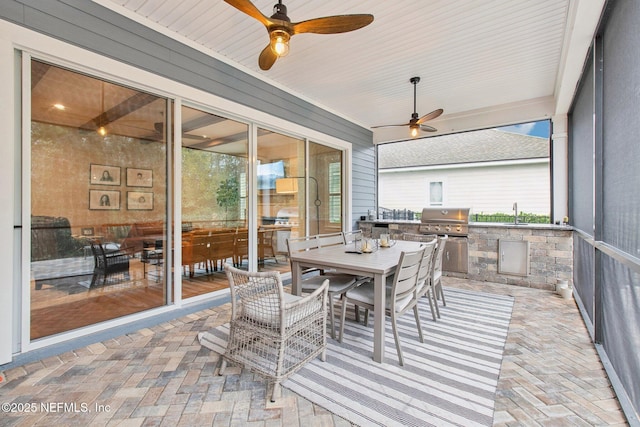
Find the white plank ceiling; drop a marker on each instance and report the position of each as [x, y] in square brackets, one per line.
[476, 58]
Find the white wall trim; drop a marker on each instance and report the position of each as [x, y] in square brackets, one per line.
[498, 115]
[7, 199]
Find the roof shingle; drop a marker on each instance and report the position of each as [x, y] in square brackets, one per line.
[468, 147]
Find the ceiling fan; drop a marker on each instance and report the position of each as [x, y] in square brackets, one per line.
[417, 124]
[281, 29]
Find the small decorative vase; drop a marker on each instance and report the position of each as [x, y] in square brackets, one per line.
[562, 284]
[566, 293]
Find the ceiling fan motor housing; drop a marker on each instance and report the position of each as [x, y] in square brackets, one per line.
[280, 12]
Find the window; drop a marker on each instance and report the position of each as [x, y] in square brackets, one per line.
[435, 193]
[335, 193]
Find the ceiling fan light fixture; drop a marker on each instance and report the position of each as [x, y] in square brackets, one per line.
[280, 42]
[414, 130]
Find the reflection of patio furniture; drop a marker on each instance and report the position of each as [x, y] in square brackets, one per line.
[51, 238]
[141, 232]
[266, 245]
[108, 263]
[240, 248]
[222, 248]
[273, 333]
[152, 254]
[195, 251]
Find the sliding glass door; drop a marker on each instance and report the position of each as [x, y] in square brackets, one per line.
[280, 190]
[101, 200]
[98, 205]
[214, 199]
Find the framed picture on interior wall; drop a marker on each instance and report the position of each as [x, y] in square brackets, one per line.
[139, 200]
[87, 231]
[104, 175]
[139, 177]
[106, 200]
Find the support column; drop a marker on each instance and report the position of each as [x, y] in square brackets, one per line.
[560, 165]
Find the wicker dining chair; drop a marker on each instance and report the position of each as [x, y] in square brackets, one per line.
[401, 296]
[273, 333]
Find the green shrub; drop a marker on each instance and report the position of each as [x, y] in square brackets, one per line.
[530, 218]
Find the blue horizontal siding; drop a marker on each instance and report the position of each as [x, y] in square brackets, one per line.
[90, 26]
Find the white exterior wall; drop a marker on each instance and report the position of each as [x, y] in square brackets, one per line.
[491, 188]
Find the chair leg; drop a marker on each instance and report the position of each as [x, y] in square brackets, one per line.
[417, 316]
[397, 338]
[333, 319]
[433, 304]
[343, 315]
[277, 391]
[444, 302]
[223, 366]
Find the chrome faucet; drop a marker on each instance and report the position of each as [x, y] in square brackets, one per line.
[515, 208]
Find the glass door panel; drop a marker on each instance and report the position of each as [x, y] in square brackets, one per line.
[281, 197]
[214, 199]
[98, 200]
[325, 201]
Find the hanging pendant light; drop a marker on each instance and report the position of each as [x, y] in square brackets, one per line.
[101, 129]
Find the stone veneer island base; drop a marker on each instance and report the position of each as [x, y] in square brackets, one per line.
[550, 250]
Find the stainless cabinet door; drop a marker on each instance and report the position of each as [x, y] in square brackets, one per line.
[456, 255]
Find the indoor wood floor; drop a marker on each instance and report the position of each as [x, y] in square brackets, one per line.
[65, 303]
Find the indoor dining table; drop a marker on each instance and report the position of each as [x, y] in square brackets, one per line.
[377, 265]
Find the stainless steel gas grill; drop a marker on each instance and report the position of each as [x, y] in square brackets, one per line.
[453, 222]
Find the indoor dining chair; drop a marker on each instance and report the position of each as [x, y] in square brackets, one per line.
[401, 295]
[271, 332]
[338, 283]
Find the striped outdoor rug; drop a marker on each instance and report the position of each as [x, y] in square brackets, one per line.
[451, 379]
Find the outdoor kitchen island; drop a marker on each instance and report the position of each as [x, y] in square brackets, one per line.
[530, 255]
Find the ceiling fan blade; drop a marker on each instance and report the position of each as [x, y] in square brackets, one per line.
[385, 126]
[267, 58]
[333, 24]
[432, 115]
[428, 128]
[245, 6]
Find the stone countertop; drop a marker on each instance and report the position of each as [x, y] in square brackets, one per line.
[525, 225]
[389, 221]
[476, 224]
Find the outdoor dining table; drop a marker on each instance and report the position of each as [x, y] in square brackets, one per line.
[377, 265]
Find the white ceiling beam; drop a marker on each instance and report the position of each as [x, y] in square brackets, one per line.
[582, 22]
[496, 115]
